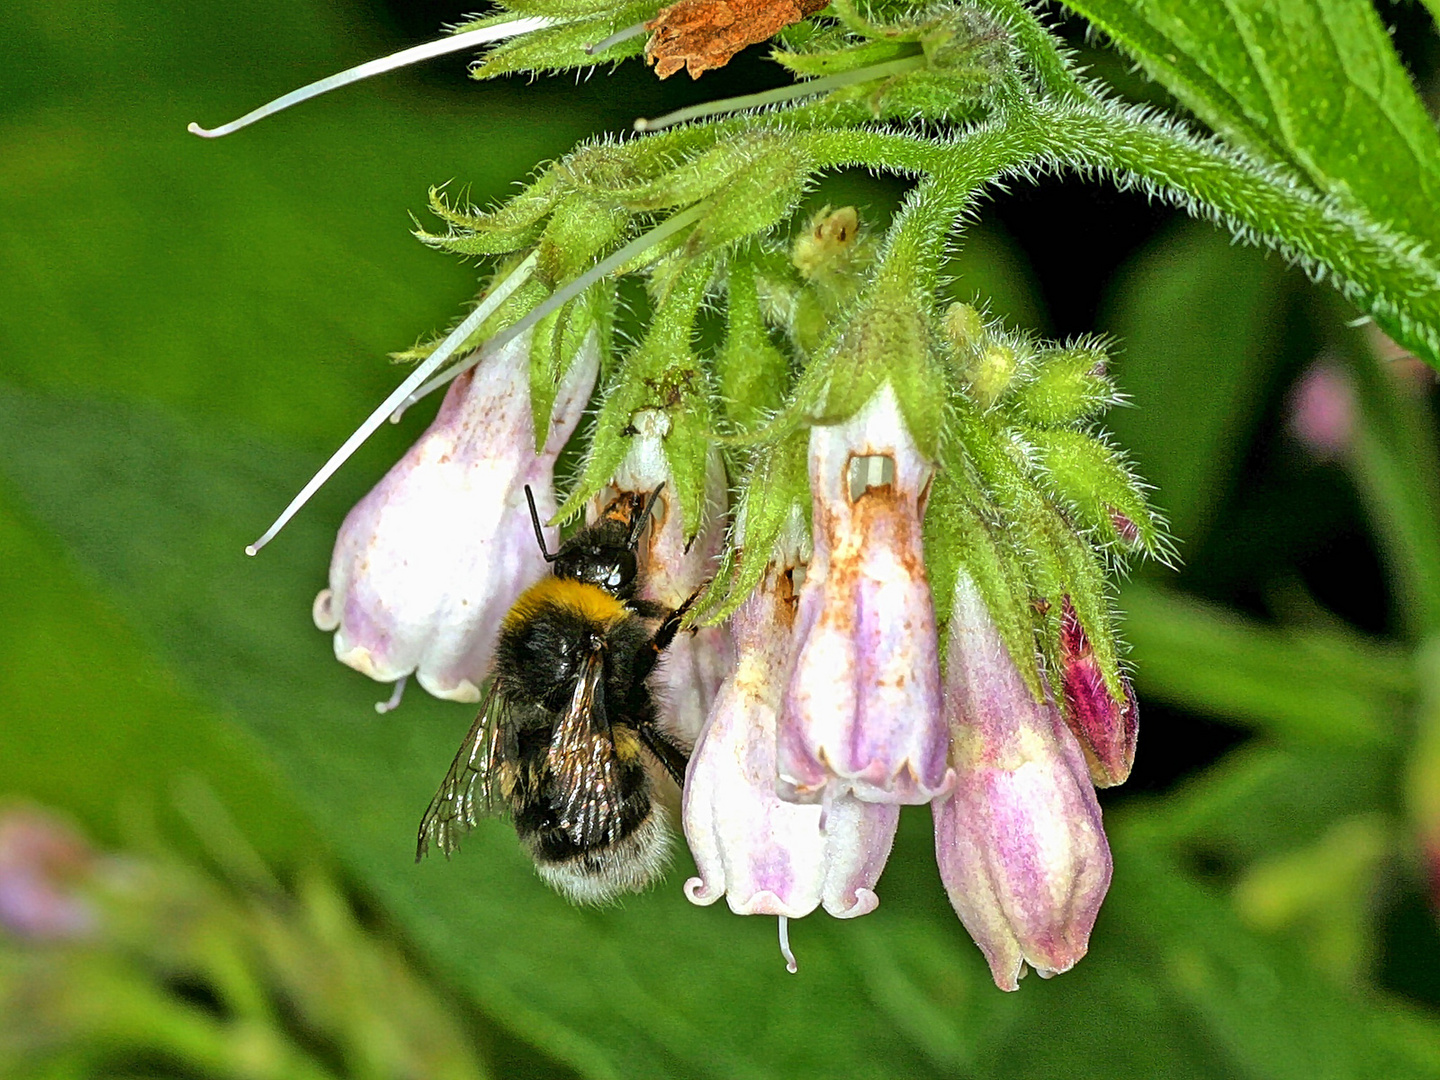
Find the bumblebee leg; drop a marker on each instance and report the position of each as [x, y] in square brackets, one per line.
[667, 751]
[664, 635]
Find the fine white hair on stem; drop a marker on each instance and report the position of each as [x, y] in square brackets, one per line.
[554, 302]
[423, 371]
[439, 47]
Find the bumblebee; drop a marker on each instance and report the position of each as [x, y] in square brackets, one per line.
[561, 738]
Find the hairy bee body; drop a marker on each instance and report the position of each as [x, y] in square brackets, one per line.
[562, 739]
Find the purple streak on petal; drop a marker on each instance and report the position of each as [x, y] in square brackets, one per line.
[1020, 842]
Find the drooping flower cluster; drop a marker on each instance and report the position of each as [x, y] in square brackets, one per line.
[907, 604]
[912, 451]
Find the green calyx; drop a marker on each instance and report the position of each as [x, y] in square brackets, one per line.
[960, 57]
[752, 373]
[581, 24]
[663, 376]
[775, 489]
[1032, 499]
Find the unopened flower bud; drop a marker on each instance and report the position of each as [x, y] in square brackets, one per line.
[1106, 726]
[427, 564]
[861, 711]
[1322, 411]
[1020, 843]
[768, 856]
[992, 372]
[689, 674]
[963, 326]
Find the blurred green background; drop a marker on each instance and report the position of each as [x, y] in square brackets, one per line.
[187, 328]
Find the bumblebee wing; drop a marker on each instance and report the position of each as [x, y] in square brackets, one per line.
[452, 812]
[582, 761]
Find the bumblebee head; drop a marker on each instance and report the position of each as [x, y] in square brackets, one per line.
[603, 553]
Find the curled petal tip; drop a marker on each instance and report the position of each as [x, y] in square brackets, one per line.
[462, 690]
[863, 902]
[700, 892]
[323, 611]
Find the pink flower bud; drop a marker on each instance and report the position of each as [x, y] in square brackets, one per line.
[40, 862]
[1105, 727]
[1020, 844]
[1322, 410]
[428, 563]
[861, 711]
[765, 855]
[689, 673]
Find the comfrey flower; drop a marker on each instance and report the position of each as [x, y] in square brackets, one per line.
[1020, 844]
[689, 676]
[764, 854]
[861, 709]
[427, 564]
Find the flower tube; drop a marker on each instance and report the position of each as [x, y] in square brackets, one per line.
[1020, 843]
[689, 674]
[765, 855]
[861, 710]
[428, 563]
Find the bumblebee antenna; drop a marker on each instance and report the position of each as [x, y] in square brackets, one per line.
[535, 520]
[639, 526]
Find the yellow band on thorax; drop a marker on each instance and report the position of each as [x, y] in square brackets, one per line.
[588, 601]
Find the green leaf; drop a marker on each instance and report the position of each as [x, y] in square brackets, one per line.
[1258, 998]
[1316, 687]
[1313, 84]
[1396, 465]
[94, 724]
[1260, 800]
[1196, 319]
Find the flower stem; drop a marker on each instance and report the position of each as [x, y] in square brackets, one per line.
[783, 93]
[1390, 280]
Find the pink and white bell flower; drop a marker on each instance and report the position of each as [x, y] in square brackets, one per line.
[692, 668]
[1021, 848]
[427, 564]
[765, 855]
[861, 711]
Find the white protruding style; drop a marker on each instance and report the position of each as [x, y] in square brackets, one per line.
[440, 47]
[423, 371]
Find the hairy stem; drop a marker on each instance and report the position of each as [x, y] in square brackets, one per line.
[1386, 276]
